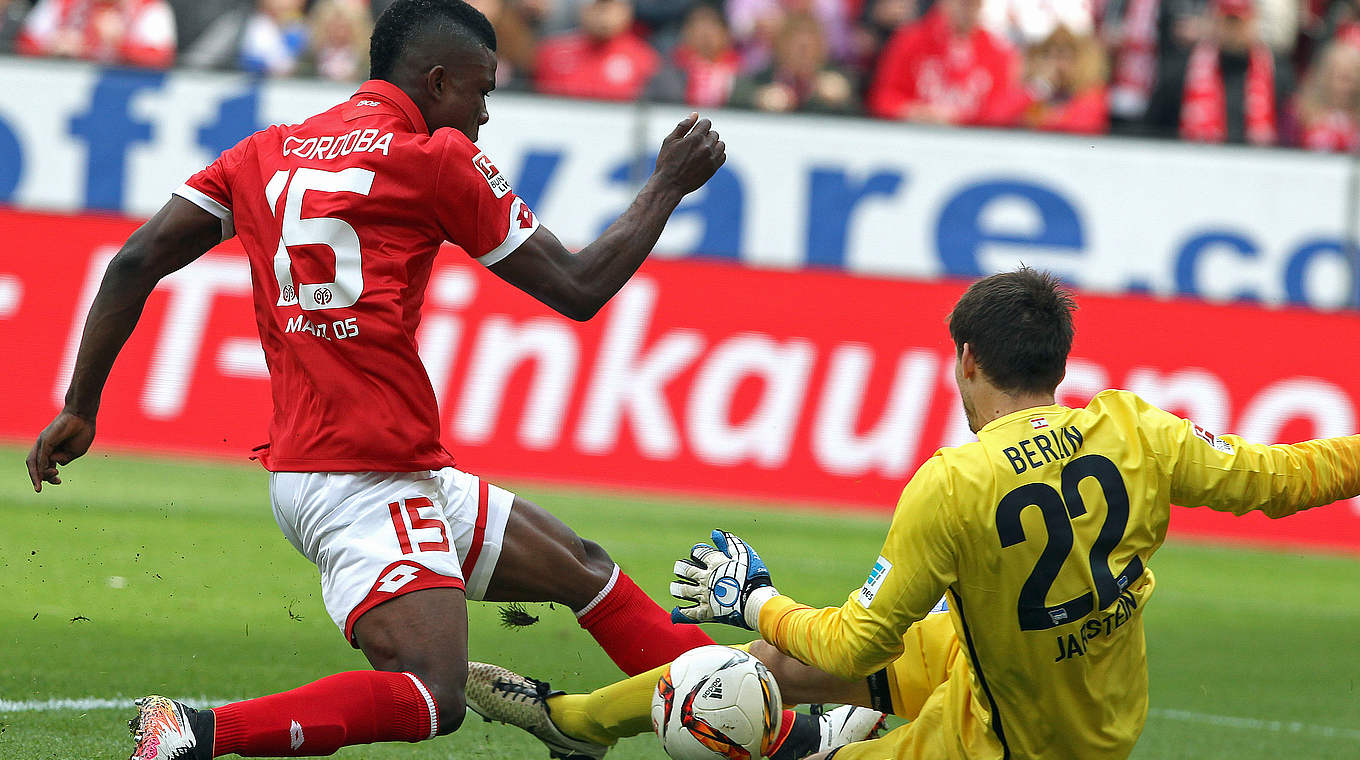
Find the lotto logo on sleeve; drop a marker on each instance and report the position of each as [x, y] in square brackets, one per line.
[875, 582]
[499, 184]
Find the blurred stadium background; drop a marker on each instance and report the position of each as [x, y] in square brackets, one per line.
[781, 365]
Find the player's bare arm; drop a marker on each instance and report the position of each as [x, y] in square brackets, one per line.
[179, 233]
[578, 285]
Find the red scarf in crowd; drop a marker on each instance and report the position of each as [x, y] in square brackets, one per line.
[1135, 60]
[1204, 105]
[1334, 131]
[708, 83]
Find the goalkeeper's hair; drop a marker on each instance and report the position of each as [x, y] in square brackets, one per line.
[1019, 325]
[404, 21]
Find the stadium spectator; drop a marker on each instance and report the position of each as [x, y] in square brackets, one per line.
[1065, 84]
[756, 23]
[877, 20]
[664, 19]
[703, 67]
[129, 32]
[11, 20]
[1231, 87]
[605, 60]
[800, 78]
[1029, 22]
[516, 40]
[1133, 31]
[274, 38]
[946, 69]
[338, 42]
[1326, 113]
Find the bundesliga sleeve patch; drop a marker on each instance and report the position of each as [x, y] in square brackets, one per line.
[500, 186]
[875, 582]
[1211, 439]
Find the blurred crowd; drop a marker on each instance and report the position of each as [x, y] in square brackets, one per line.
[1256, 72]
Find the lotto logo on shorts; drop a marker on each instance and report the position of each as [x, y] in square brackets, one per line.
[397, 577]
[875, 582]
[499, 184]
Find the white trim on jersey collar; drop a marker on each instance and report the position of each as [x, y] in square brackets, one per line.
[208, 204]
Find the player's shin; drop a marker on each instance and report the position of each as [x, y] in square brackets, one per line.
[345, 709]
[634, 630]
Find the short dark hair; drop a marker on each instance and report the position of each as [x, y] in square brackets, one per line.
[405, 19]
[1019, 325]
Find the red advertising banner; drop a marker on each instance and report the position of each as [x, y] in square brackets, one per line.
[800, 387]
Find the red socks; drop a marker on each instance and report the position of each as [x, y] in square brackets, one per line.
[359, 707]
[633, 630]
[638, 635]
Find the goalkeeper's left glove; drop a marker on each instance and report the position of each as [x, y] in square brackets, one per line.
[727, 583]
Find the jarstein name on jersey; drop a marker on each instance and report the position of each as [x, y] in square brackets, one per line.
[1038, 451]
[334, 146]
[1074, 644]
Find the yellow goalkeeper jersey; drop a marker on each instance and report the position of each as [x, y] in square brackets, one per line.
[1041, 532]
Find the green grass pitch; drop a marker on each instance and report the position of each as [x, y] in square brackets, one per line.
[140, 576]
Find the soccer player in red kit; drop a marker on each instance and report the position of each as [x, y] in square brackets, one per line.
[341, 217]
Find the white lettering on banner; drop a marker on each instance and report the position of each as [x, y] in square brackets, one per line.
[1192, 392]
[766, 435]
[11, 295]
[1326, 408]
[191, 291]
[242, 357]
[441, 332]
[891, 445]
[501, 348]
[629, 382]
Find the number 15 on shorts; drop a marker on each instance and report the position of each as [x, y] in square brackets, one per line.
[410, 517]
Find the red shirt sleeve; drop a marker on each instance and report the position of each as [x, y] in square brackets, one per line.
[210, 188]
[475, 206]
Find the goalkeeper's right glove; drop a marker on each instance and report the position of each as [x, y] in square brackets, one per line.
[727, 584]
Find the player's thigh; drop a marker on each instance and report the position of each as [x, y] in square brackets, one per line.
[423, 633]
[801, 684]
[374, 537]
[929, 654]
[543, 560]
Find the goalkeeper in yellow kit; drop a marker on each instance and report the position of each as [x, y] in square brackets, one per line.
[1039, 536]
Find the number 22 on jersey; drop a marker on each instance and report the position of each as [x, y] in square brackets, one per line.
[1059, 509]
[335, 234]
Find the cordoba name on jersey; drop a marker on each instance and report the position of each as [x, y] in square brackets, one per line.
[335, 146]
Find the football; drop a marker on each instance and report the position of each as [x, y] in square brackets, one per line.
[716, 701]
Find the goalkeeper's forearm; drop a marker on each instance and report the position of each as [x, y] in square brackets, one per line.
[823, 637]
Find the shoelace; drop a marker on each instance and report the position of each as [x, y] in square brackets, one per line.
[534, 690]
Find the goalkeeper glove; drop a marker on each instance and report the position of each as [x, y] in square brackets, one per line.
[726, 583]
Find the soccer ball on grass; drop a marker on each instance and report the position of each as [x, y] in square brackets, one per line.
[716, 701]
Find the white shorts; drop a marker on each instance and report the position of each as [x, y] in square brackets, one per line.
[377, 535]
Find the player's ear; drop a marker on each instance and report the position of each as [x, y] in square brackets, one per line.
[967, 362]
[436, 81]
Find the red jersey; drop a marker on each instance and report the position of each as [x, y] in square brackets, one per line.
[341, 217]
[926, 63]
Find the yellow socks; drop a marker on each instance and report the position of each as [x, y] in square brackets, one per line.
[614, 712]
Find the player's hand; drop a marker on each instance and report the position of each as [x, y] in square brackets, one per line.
[690, 154]
[67, 437]
[726, 583]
